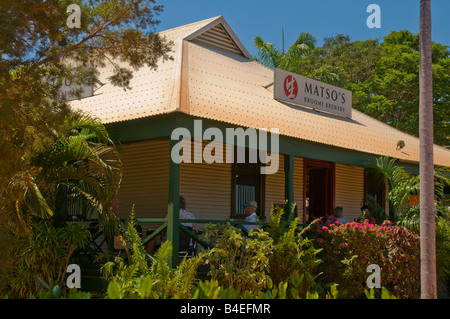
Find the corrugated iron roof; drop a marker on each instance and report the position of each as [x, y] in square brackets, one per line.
[225, 84]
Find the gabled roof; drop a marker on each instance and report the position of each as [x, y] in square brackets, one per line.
[213, 76]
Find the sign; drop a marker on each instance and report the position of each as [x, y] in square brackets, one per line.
[67, 89]
[300, 90]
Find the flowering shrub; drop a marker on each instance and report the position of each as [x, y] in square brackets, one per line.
[349, 248]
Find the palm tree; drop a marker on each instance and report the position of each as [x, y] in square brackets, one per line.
[427, 215]
[271, 56]
[82, 168]
[291, 60]
[402, 185]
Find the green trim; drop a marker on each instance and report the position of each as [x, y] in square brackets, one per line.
[195, 237]
[155, 234]
[289, 183]
[173, 215]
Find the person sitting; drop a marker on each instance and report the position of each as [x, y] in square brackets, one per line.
[186, 242]
[119, 240]
[184, 214]
[338, 214]
[366, 214]
[250, 214]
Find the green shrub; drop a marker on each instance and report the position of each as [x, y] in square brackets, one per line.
[348, 249]
[236, 260]
[45, 254]
[265, 258]
[138, 276]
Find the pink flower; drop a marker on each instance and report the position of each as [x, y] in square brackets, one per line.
[319, 230]
[331, 231]
[379, 234]
[320, 240]
[344, 244]
[366, 220]
[325, 228]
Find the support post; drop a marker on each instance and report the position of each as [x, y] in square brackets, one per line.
[173, 214]
[289, 186]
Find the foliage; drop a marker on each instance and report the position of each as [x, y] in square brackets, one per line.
[50, 291]
[292, 252]
[238, 261]
[383, 78]
[349, 248]
[443, 256]
[292, 59]
[376, 211]
[139, 277]
[37, 46]
[45, 254]
[81, 170]
[265, 258]
[403, 185]
[443, 247]
[273, 57]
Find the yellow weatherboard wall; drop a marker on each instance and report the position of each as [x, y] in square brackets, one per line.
[145, 180]
[349, 190]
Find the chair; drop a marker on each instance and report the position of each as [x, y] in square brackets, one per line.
[187, 245]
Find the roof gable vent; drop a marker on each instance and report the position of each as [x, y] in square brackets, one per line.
[219, 35]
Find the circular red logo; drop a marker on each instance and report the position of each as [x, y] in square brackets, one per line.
[290, 87]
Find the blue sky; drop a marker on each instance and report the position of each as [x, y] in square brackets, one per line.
[323, 18]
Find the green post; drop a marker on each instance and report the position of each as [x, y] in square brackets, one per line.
[173, 214]
[289, 185]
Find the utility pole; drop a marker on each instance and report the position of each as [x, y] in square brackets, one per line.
[427, 214]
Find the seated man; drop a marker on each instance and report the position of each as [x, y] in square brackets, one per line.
[250, 214]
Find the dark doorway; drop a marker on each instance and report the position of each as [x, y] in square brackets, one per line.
[247, 184]
[319, 189]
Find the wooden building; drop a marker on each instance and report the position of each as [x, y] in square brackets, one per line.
[212, 77]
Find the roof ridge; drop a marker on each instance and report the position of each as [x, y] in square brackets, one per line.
[201, 24]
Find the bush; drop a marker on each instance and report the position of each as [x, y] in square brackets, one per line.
[349, 248]
[238, 261]
[264, 259]
[45, 254]
[138, 276]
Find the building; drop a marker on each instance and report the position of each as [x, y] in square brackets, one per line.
[213, 78]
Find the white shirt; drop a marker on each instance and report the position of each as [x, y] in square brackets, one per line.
[251, 218]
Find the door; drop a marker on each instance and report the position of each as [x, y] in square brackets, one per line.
[319, 189]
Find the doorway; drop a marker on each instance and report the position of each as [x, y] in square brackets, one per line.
[319, 189]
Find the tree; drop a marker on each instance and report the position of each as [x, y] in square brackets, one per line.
[271, 56]
[352, 61]
[36, 44]
[427, 216]
[292, 59]
[81, 170]
[383, 78]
